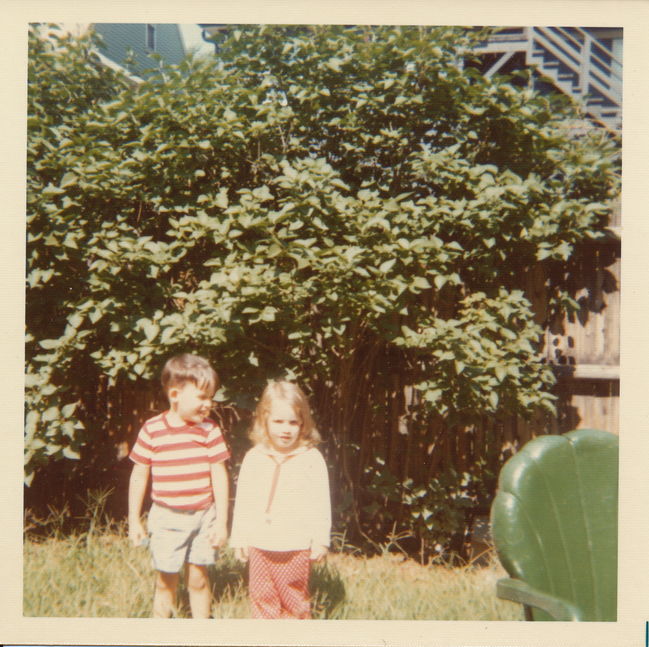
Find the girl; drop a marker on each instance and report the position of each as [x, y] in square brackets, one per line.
[282, 512]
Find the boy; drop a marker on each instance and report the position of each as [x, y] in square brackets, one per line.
[184, 453]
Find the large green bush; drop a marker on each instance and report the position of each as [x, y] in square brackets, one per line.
[356, 208]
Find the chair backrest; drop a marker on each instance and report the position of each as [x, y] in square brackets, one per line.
[554, 519]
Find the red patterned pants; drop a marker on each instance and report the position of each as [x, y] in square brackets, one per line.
[279, 583]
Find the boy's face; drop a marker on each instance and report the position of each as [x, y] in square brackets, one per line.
[283, 426]
[190, 403]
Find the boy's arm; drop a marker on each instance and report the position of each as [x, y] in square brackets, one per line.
[220, 488]
[136, 491]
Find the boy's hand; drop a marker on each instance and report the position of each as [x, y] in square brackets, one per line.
[136, 533]
[218, 535]
[318, 553]
[241, 554]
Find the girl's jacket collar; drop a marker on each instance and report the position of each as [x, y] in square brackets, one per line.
[281, 456]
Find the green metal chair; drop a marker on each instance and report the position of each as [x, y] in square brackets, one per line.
[554, 525]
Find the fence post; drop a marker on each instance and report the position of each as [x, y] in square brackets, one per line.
[584, 67]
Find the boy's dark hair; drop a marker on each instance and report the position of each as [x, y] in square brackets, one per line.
[181, 369]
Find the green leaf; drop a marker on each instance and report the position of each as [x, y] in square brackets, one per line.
[75, 319]
[49, 344]
[386, 266]
[68, 180]
[222, 198]
[421, 283]
[68, 452]
[440, 281]
[68, 409]
[151, 330]
[50, 414]
[334, 64]
[167, 335]
[52, 190]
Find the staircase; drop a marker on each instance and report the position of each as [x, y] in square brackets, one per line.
[572, 59]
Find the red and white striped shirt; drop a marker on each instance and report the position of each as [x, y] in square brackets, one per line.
[180, 460]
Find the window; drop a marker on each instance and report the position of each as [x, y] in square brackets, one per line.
[150, 37]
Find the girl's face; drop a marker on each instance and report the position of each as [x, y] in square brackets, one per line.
[283, 426]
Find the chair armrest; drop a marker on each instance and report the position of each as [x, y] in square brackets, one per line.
[519, 591]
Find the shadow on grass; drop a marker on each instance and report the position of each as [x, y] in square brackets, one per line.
[327, 591]
[227, 577]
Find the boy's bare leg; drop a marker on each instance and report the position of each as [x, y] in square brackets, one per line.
[198, 586]
[164, 598]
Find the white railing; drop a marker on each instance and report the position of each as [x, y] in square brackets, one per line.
[572, 58]
[593, 64]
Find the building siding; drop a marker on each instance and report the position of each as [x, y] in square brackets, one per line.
[119, 38]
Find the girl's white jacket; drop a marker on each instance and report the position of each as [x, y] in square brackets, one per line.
[299, 515]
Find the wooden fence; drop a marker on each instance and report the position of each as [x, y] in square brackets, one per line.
[586, 347]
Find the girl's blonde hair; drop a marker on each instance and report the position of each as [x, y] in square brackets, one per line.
[292, 394]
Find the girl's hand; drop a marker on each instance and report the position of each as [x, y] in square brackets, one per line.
[136, 533]
[241, 554]
[318, 553]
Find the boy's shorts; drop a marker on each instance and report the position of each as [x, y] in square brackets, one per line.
[179, 536]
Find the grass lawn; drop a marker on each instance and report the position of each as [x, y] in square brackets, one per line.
[100, 575]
